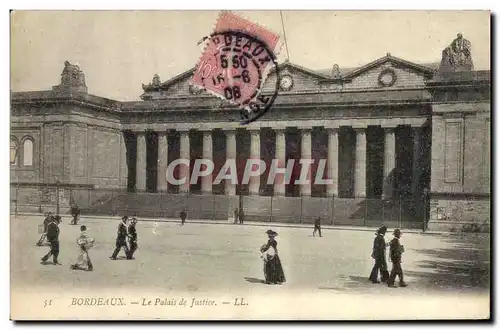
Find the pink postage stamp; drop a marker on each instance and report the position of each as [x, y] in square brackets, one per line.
[235, 62]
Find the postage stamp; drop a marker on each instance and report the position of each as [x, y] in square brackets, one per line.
[235, 63]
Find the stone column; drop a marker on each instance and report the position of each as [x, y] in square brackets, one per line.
[389, 162]
[162, 161]
[306, 154]
[184, 154]
[360, 167]
[206, 181]
[280, 155]
[140, 169]
[254, 183]
[230, 188]
[333, 161]
[416, 159]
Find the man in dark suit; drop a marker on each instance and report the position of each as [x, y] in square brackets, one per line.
[48, 219]
[75, 212]
[53, 238]
[378, 253]
[396, 252]
[121, 239]
[183, 217]
[132, 237]
[317, 227]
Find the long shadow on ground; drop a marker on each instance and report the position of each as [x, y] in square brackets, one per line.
[465, 264]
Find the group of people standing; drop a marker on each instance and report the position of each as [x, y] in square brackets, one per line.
[379, 254]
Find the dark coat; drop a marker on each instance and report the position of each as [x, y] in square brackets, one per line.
[122, 233]
[183, 215]
[273, 270]
[379, 247]
[75, 210]
[52, 232]
[46, 222]
[396, 251]
[132, 233]
[317, 222]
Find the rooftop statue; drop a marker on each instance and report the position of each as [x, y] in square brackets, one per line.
[72, 78]
[156, 82]
[457, 56]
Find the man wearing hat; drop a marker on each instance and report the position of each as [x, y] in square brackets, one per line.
[379, 248]
[53, 238]
[121, 238]
[396, 252]
[317, 227]
[132, 238]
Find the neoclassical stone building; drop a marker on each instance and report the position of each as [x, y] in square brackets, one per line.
[401, 141]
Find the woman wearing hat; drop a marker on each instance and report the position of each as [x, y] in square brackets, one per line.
[379, 247]
[273, 271]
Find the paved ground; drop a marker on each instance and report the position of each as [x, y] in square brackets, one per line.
[205, 257]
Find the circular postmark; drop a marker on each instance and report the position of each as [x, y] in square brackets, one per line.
[234, 66]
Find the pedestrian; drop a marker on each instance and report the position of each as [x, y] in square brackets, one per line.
[85, 242]
[75, 212]
[317, 227]
[53, 238]
[273, 271]
[183, 215]
[235, 216]
[241, 216]
[121, 238]
[48, 219]
[379, 250]
[396, 251]
[132, 237]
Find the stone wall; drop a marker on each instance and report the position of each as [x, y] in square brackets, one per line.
[453, 213]
[461, 159]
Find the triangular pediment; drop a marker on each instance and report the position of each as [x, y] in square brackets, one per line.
[299, 77]
[388, 71]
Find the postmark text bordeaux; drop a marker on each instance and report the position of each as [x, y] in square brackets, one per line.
[237, 57]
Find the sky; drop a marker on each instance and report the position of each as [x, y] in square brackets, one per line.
[120, 50]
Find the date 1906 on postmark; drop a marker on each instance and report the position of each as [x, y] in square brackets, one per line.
[234, 66]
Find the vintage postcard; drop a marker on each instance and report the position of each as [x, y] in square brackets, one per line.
[250, 165]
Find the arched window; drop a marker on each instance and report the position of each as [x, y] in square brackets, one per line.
[14, 152]
[28, 152]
